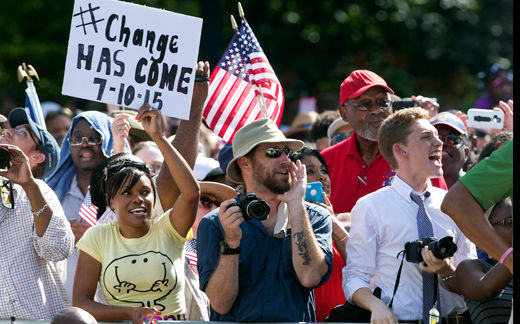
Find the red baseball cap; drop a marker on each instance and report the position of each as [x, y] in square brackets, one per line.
[358, 82]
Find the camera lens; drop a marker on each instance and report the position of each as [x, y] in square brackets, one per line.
[258, 209]
[443, 248]
[5, 158]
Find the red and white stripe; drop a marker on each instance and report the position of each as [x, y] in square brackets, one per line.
[88, 211]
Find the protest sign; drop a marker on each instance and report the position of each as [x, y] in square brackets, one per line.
[126, 54]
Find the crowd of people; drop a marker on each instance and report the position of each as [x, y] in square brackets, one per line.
[111, 216]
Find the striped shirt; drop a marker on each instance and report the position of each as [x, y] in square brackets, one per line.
[30, 284]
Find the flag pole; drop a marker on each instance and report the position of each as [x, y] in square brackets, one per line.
[27, 72]
[260, 97]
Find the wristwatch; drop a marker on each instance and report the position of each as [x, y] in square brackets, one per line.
[226, 250]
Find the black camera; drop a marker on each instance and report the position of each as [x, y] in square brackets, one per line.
[441, 249]
[252, 207]
[5, 158]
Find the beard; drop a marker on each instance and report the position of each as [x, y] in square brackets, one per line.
[368, 133]
[268, 180]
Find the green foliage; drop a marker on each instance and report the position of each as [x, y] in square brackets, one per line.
[434, 48]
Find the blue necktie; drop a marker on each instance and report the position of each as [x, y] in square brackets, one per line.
[425, 229]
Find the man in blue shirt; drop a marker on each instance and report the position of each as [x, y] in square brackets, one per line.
[264, 270]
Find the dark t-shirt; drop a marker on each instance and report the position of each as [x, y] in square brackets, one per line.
[269, 289]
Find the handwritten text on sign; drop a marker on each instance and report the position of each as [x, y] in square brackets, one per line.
[126, 54]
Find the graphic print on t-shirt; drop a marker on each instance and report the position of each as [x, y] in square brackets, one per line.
[145, 279]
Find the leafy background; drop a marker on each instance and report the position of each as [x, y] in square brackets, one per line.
[433, 48]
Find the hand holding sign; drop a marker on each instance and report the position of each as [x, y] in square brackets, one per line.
[114, 57]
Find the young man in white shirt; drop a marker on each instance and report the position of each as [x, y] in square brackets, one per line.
[383, 221]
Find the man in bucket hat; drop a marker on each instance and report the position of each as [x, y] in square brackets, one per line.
[255, 270]
[34, 233]
[356, 167]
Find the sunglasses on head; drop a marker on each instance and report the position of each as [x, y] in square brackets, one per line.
[208, 202]
[452, 139]
[274, 152]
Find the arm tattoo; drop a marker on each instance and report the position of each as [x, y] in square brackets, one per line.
[302, 248]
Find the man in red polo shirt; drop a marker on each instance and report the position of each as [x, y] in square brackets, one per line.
[355, 165]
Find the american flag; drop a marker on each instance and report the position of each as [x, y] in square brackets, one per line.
[88, 211]
[190, 250]
[237, 84]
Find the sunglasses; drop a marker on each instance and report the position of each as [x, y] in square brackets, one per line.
[452, 139]
[7, 194]
[506, 221]
[274, 152]
[94, 139]
[208, 203]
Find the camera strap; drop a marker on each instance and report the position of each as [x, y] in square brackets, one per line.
[435, 283]
[396, 285]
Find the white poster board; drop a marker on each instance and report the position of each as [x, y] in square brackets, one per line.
[126, 54]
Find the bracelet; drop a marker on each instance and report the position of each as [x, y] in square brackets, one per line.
[201, 78]
[448, 278]
[37, 213]
[506, 253]
[343, 238]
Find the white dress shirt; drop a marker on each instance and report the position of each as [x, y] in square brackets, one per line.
[382, 222]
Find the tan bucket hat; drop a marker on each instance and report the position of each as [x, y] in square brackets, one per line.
[260, 131]
[221, 191]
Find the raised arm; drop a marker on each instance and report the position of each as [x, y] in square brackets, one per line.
[186, 139]
[185, 207]
[466, 212]
[54, 240]
[308, 258]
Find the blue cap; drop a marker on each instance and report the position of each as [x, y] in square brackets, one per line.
[451, 120]
[225, 156]
[20, 116]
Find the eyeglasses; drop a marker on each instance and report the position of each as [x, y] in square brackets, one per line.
[208, 203]
[452, 139]
[155, 168]
[93, 139]
[274, 152]
[365, 104]
[6, 193]
[506, 221]
[20, 130]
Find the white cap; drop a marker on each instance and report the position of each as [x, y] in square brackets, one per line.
[338, 123]
[203, 166]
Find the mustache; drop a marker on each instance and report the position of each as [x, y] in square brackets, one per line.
[375, 118]
[86, 149]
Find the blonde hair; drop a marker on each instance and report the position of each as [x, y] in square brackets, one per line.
[395, 129]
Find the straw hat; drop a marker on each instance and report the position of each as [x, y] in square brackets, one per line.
[220, 191]
[260, 131]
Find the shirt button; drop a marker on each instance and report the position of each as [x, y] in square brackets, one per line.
[365, 178]
[363, 166]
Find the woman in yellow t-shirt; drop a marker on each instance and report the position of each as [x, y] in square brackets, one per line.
[138, 261]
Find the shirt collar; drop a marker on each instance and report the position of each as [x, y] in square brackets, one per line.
[74, 190]
[350, 145]
[404, 189]
[282, 221]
